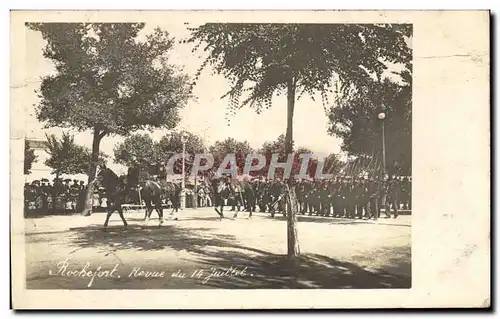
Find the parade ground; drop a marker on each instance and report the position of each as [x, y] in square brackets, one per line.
[199, 251]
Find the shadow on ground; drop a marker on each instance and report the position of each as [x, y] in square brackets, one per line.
[263, 269]
[340, 220]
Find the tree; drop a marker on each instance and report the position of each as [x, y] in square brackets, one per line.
[278, 147]
[137, 149]
[333, 164]
[292, 59]
[354, 119]
[66, 157]
[29, 158]
[171, 144]
[109, 81]
[240, 149]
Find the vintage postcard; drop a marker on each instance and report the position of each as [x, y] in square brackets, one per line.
[250, 159]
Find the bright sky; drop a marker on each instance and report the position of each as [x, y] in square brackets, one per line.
[205, 116]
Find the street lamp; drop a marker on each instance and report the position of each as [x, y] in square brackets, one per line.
[183, 181]
[381, 117]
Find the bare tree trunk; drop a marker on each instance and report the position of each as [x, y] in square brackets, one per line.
[89, 191]
[293, 248]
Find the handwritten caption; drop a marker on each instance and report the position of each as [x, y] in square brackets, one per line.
[93, 273]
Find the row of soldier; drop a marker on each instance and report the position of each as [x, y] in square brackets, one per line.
[341, 197]
[355, 198]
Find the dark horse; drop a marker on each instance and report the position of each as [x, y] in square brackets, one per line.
[116, 191]
[153, 192]
[224, 189]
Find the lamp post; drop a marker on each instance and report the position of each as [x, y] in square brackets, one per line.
[183, 181]
[381, 116]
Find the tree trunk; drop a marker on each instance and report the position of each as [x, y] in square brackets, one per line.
[293, 247]
[89, 191]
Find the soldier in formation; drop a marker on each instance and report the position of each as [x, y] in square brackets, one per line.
[346, 197]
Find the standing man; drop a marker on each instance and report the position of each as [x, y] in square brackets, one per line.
[392, 197]
[405, 193]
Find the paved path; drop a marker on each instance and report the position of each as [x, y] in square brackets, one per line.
[199, 251]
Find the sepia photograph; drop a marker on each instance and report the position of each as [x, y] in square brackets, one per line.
[197, 153]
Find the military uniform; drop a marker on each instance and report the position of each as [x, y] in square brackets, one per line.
[373, 199]
[324, 199]
[309, 197]
[405, 193]
[392, 198]
[340, 199]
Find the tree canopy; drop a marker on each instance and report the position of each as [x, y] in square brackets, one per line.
[140, 149]
[67, 157]
[240, 149]
[136, 149]
[171, 144]
[29, 158]
[354, 119]
[106, 78]
[260, 59]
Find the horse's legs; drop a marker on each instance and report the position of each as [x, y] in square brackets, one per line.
[145, 210]
[251, 206]
[108, 215]
[149, 210]
[236, 211]
[222, 208]
[159, 210]
[120, 212]
[175, 200]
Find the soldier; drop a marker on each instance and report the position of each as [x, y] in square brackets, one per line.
[314, 198]
[355, 197]
[162, 173]
[339, 198]
[409, 192]
[262, 195]
[392, 197]
[349, 198]
[334, 185]
[325, 199]
[360, 198]
[299, 191]
[236, 196]
[309, 197]
[373, 199]
[405, 192]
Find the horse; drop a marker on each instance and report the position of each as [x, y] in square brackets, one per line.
[116, 191]
[153, 192]
[224, 190]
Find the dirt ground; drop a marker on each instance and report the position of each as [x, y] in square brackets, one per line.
[199, 251]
